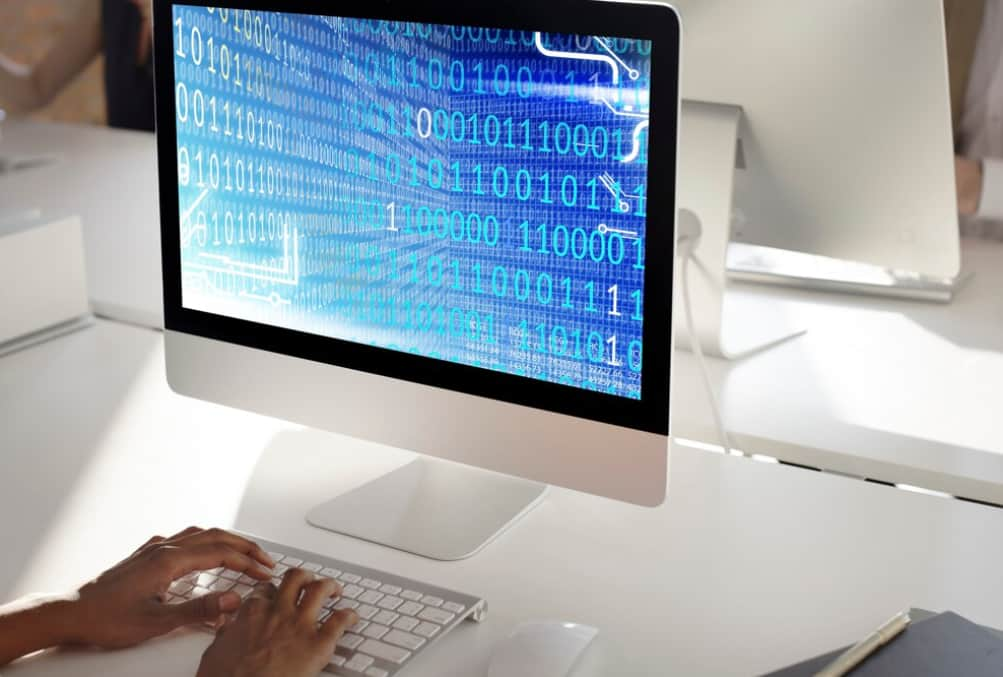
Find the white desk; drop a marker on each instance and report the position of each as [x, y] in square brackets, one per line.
[898, 391]
[108, 177]
[747, 567]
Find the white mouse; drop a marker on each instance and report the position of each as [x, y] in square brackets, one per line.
[542, 649]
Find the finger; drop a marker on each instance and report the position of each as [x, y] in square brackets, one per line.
[155, 539]
[206, 609]
[185, 532]
[143, 548]
[337, 623]
[315, 594]
[238, 543]
[260, 599]
[183, 559]
[292, 585]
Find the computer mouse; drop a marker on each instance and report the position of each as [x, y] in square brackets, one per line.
[544, 649]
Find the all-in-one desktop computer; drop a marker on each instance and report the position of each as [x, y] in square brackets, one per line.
[846, 150]
[443, 226]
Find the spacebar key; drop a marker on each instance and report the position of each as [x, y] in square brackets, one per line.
[384, 651]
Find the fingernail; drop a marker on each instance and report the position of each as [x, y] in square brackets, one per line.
[229, 601]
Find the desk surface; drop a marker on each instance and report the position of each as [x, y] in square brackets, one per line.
[747, 567]
[898, 391]
[108, 177]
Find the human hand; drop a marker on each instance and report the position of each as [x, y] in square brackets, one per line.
[275, 633]
[125, 605]
[968, 181]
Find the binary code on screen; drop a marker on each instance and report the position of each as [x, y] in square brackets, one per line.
[468, 194]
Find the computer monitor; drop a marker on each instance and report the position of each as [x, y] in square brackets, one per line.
[443, 226]
[847, 148]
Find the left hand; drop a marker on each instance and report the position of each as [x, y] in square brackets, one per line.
[125, 605]
[968, 181]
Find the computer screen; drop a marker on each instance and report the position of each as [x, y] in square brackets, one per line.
[464, 193]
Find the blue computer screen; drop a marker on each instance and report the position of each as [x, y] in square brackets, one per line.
[463, 193]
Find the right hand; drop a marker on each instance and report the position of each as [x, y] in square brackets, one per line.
[275, 633]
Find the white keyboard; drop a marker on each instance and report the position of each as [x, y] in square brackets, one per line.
[398, 617]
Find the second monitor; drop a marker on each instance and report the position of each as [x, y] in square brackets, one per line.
[846, 147]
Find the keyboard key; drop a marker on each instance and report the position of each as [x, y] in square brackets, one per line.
[410, 608]
[370, 583]
[359, 662]
[391, 654]
[205, 579]
[350, 578]
[175, 599]
[232, 575]
[453, 607]
[376, 672]
[412, 595]
[276, 581]
[338, 661]
[385, 617]
[324, 615]
[242, 590]
[429, 600]
[217, 571]
[404, 639]
[346, 604]
[291, 562]
[352, 591]
[221, 585]
[180, 588]
[376, 631]
[390, 602]
[366, 612]
[276, 556]
[436, 616]
[390, 589]
[350, 641]
[370, 597]
[359, 627]
[330, 573]
[330, 602]
[406, 624]
[427, 630]
[198, 591]
[312, 566]
[279, 570]
[247, 580]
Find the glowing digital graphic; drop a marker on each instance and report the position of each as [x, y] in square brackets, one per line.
[468, 194]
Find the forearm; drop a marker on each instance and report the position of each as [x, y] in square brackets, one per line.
[23, 89]
[19, 91]
[31, 625]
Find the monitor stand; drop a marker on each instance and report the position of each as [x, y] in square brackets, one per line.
[436, 509]
[727, 323]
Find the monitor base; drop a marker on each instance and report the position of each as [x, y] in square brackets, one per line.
[436, 509]
[767, 265]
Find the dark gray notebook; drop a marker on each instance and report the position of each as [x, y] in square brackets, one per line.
[945, 645]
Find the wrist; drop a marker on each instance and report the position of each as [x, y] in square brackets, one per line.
[33, 624]
[57, 621]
